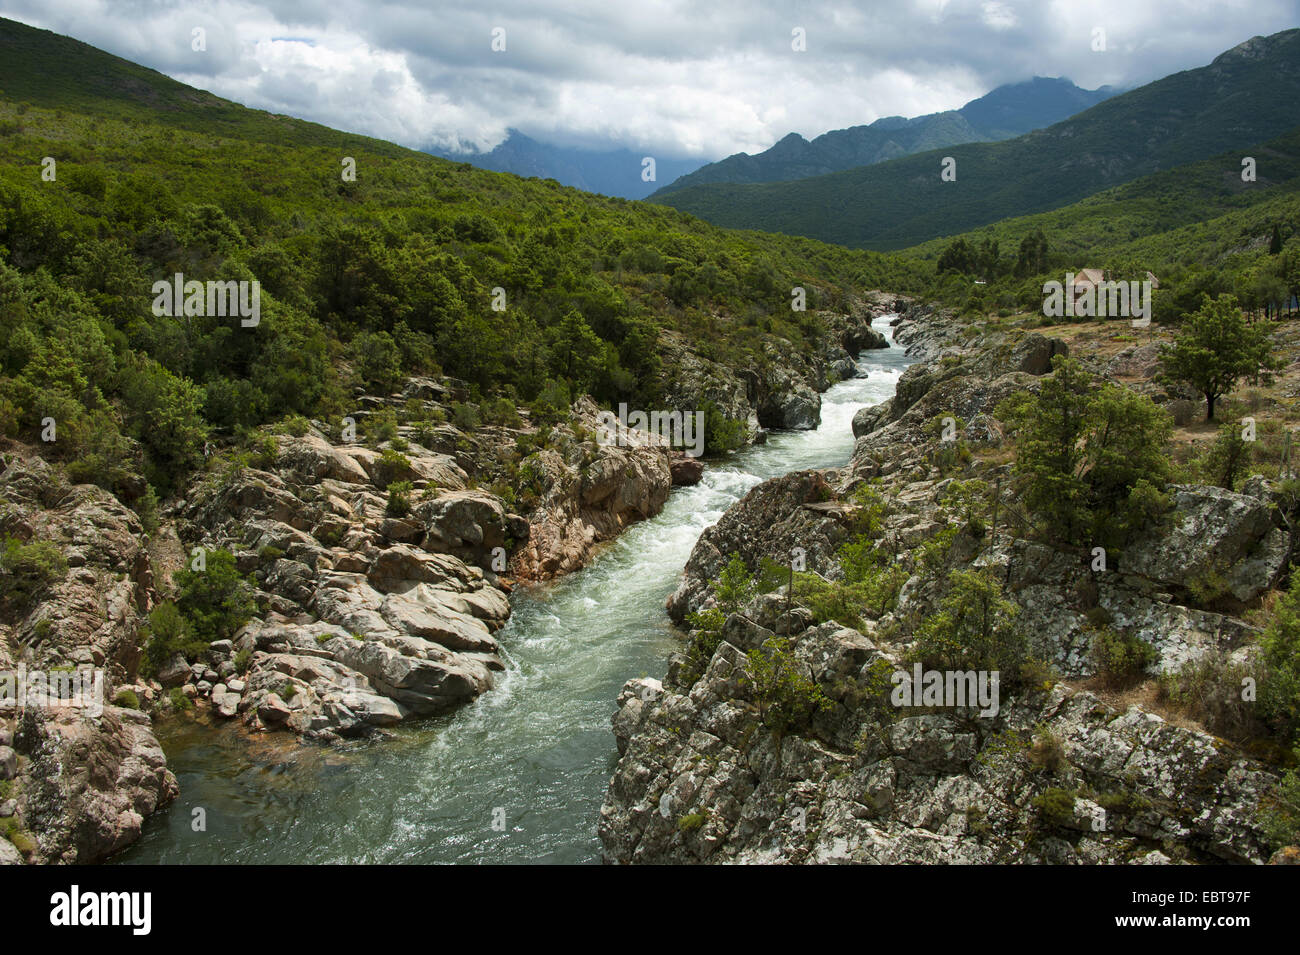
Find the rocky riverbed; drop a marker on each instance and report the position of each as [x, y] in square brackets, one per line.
[365, 618]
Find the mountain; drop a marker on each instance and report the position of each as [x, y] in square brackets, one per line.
[1247, 95]
[611, 172]
[1005, 112]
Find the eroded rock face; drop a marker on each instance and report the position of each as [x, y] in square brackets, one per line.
[1213, 532]
[701, 779]
[770, 521]
[372, 618]
[82, 783]
[89, 782]
[590, 496]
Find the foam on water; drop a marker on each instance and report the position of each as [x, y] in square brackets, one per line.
[537, 747]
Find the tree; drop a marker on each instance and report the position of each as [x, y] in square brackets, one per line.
[578, 351]
[379, 362]
[1229, 456]
[215, 601]
[1050, 429]
[1216, 348]
[1090, 460]
[974, 628]
[957, 257]
[1032, 257]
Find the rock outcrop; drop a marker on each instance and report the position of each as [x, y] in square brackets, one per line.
[77, 782]
[1060, 773]
[702, 779]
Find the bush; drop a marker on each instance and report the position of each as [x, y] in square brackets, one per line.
[1047, 754]
[787, 699]
[126, 698]
[399, 499]
[179, 701]
[1209, 691]
[974, 629]
[692, 821]
[166, 634]
[1055, 805]
[1279, 691]
[465, 416]
[27, 569]
[215, 601]
[1282, 810]
[1121, 659]
[391, 466]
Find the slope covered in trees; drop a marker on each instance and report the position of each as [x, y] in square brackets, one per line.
[1248, 95]
[113, 177]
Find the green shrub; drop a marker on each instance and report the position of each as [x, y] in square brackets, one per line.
[466, 416]
[974, 628]
[1121, 659]
[166, 634]
[27, 569]
[692, 821]
[399, 499]
[126, 698]
[391, 466]
[215, 601]
[787, 698]
[295, 425]
[179, 701]
[1279, 691]
[1055, 805]
[1282, 810]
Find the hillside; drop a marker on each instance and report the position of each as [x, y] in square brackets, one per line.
[1007, 111]
[1245, 96]
[1198, 228]
[362, 280]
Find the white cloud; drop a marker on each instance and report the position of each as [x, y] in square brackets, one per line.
[677, 76]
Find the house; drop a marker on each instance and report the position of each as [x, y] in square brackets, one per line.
[1091, 278]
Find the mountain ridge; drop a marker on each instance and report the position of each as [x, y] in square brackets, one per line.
[1006, 111]
[1245, 96]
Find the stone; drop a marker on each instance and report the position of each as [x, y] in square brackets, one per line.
[175, 671]
[686, 471]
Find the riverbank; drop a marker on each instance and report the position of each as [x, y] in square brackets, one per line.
[536, 747]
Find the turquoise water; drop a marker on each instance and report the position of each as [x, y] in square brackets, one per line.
[519, 775]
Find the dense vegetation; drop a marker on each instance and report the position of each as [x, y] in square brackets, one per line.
[362, 281]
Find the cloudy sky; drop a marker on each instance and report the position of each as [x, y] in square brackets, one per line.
[699, 78]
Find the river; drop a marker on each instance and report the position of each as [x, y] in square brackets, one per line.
[519, 775]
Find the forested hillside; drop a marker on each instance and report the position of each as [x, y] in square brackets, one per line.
[1246, 96]
[1199, 228]
[363, 279]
